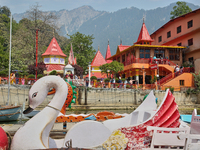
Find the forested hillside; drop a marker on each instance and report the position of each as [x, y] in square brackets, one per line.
[124, 24]
[23, 51]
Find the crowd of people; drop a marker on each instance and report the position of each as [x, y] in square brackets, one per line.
[112, 83]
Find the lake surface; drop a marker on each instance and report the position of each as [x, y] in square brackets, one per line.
[68, 112]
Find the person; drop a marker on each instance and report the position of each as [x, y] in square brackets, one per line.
[75, 76]
[17, 77]
[113, 82]
[109, 83]
[87, 82]
[120, 82]
[131, 83]
[23, 81]
[177, 69]
[71, 76]
[101, 82]
[125, 82]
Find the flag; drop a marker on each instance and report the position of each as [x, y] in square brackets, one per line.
[71, 56]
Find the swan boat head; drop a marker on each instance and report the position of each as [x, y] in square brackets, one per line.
[40, 89]
[35, 132]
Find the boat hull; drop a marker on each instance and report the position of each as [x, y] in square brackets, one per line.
[9, 113]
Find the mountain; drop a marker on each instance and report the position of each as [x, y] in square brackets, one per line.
[124, 24]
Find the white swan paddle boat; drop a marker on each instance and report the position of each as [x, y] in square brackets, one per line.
[86, 134]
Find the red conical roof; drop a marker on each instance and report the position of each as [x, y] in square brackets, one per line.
[75, 63]
[54, 49]
[71, 56]
[144, 35]
[108, 54]
[98, 59]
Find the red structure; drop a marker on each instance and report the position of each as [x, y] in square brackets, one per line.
[108, 54]
[144, 37]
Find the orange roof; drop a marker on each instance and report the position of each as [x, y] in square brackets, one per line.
[144, 35]
[54, 49]
[108, 54]
[98, 59]
[51, 67]
[96, 74]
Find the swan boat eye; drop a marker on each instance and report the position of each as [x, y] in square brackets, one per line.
[34, 94]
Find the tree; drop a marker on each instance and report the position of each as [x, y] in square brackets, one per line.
[5, 10]
[78, 70]
[82, 47]
[197, 81]
[40, 68]
[112, 68]
[23, 40]
[180, 9]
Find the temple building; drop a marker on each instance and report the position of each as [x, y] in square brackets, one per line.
[97, 61]
[54, 58]
[144, 62]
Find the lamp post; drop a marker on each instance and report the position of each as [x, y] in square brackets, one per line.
[158, 76]
[89, 74]
[108, 71]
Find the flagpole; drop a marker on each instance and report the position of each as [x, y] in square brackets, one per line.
[9, 60]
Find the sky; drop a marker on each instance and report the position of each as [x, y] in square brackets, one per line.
[20, 6]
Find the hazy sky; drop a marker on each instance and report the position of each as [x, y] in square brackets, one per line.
[20, 6]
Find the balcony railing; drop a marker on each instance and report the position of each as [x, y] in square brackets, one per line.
[148, 61]
[173, 75]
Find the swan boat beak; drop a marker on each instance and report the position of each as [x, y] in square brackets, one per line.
[28, 110]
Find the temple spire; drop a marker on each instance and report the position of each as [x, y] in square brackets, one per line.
[108, 41]
[120, 41]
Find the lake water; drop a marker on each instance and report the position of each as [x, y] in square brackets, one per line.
[68, 112]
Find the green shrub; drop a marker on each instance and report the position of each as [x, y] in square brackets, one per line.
[123, 79]
[93, 78]
[32, 76]
[106, 80]
[171, 89]
[3, 73]
[54, 72]
[39, 76]
[25, 73]
[116, 80]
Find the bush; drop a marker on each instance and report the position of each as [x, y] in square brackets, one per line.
[25, 73]
[39, 76]
[32, 76]
[106, 80]
[116, 80]
[191, 91]
[93, 78]
[123, 79]
[3, 74]
[54, 72]
[171, 89]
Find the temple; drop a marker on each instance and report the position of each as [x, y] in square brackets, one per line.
[96, 62]
[54, 58]
[152, 65]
